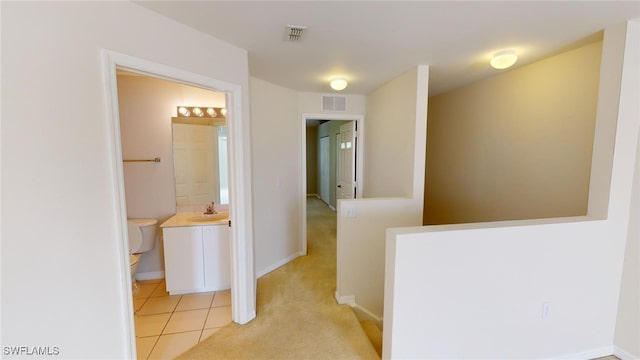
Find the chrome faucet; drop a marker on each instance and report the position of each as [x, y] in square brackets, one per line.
[211, 209]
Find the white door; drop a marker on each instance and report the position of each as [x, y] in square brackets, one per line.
[346, 162]
[324, 169]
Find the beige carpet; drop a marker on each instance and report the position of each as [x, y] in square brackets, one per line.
[298, 317]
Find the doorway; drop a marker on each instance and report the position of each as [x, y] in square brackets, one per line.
[324, 154]
[358, 122]
[242, 269]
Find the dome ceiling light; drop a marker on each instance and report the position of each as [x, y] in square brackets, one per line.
[338, 84]
[504, 59]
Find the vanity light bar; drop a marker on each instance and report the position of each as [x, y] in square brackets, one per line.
[201, 112]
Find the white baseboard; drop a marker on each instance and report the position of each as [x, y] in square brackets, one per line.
[313, 195]
[332, 208]
[361, 313]
[364, 314]
[269, 269]
[623, 355]
[151, 275]
[589, 354]
[346, 300]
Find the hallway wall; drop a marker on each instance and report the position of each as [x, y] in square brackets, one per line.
[313, 175]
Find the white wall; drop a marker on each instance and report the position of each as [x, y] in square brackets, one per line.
[361, 223]
[477, 290]
[275, 126]
[627, 337]
[146, 107]
[390, 137]
[62, 279]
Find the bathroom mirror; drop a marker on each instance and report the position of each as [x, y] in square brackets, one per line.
[200, 162]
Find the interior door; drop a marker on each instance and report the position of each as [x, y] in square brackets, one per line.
[346, 162]
[324, 169]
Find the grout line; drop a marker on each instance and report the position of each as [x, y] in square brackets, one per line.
[204, 324]
[152, 348]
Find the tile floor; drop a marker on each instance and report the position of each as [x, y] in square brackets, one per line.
[168, 325]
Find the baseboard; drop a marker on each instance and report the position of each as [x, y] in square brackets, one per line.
[361, 313]
[364, 314]
[623, 355]
[589, 354]
[313, 195]
[332, 208]
[269, 269]
[151, 275]
[346, 300]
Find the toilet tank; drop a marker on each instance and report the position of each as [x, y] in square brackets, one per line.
[142, 234]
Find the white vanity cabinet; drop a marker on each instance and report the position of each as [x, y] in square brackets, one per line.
[196, 258]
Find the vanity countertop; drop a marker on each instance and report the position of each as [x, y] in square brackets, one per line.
[196, 218]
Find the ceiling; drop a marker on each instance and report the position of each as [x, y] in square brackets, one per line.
[372, 42]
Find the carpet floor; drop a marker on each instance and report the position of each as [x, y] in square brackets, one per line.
[297, 314]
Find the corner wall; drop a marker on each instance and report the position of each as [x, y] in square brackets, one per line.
[627, 335]
[396, 116]
[276, 171]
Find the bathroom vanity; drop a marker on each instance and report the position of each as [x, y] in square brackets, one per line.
[196, 253]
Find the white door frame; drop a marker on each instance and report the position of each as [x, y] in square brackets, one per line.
[243, 280]
[359, 119]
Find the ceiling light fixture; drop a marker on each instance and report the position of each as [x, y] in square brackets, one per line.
[504, 59]
[338, 84]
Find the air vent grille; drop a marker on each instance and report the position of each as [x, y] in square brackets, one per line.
[334, 103]
[295, 32]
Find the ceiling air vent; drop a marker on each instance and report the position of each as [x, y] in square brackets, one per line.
[334, 103]
[294, 32]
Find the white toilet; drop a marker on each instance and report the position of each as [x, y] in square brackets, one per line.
[142, 238]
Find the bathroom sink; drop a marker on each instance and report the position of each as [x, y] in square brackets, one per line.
[208, 217]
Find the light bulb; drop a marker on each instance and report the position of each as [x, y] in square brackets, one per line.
[197, 112]
[338, 84]
[504, 59]
[223, 111]
[184, 111]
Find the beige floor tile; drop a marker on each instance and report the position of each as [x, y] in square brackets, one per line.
[144, 346]
[182, 321]
[208, 332]
[144, 290]
[137, 304]
[150, 325]
[222, 298]
[159, 305]
[161, 290]
[172, 345]
[218, 317]
[195, 301]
